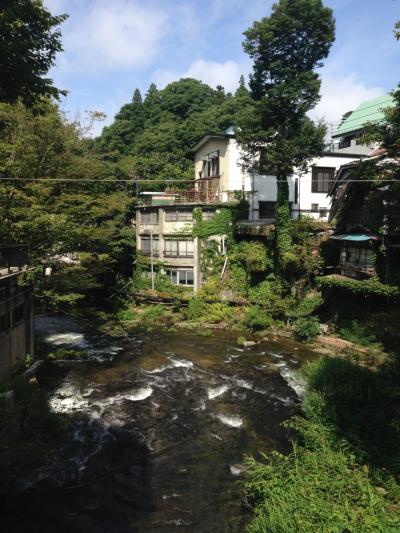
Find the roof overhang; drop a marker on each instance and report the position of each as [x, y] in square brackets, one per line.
[355, 237]
[210, 137]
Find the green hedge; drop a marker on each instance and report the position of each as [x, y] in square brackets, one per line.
[369, 288]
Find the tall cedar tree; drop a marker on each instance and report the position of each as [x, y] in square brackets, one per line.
[29, 42]
[286, 48]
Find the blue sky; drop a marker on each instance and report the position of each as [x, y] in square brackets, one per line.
[113, 46]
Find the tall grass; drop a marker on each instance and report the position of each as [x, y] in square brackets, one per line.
[342, 475]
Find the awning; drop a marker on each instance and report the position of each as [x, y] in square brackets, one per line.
[355, 237]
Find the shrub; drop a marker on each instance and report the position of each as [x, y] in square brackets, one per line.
[355, 331]
[256, 318]
[200, 311]
[368, 288]
[61, 353]
[153, 312]
[196, 309]
[266, 293]
[127, 314]
[307, 328]
[217, 312]
[318, 488]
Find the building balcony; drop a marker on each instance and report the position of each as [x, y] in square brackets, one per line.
[13, 260]
[351, 270]
[262, 227]
[187, 197]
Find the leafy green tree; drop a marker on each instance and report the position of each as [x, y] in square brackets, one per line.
[286, 49]
[242, 89]
[128, 124]
[54, 199]
[29, 41]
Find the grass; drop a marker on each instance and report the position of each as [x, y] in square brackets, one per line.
[359, 333]
[342, 475]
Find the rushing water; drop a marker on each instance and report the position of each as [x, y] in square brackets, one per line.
[159, 424]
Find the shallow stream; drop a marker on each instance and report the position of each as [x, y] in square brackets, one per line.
[159, 424]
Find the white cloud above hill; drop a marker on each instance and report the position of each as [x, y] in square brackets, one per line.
[213, 73]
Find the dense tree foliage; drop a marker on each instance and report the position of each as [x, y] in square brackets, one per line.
[65, 204]
[152, 139]
[286, 48]
[29, 42]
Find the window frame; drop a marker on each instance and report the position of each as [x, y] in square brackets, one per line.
[322, 186]
[156, 245]
[181, 244]
[180, 276]
[148, 213]
[178, 215]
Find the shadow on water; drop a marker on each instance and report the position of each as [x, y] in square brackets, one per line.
[158, 425]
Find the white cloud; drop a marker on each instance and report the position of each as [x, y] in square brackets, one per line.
[213, 73]
[111, 35]
[340, 95]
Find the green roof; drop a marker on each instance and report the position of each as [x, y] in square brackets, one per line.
[369, 111]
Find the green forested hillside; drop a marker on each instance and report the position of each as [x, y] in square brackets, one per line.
[64, 193]
[152, 138]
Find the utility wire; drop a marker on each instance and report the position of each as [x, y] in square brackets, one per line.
[81, 180]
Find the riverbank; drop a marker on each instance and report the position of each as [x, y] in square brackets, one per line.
[251, 324]
[343, 471]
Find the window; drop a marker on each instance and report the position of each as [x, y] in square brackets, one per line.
[314, 208]
[358, 257]
[17, 314]
[180, 277]
[210, 166]
[145, 243]
[179, 215]
[346, 141]
[266, 209]
[207, 214]
[322, 178]
[149, 217]
[176, 248]
[323, 212]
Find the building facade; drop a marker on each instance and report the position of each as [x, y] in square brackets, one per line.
[218, 173]
[164, 221]
[16, 310]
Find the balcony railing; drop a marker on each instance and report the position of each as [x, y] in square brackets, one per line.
[180, 198]
[13, 259]
[351, 270]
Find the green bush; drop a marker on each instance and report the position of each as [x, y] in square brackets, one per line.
[153, 312]
[200, 311]
[196, 309]
[355, 331]
[127, 314]
[368, 288]
[307, 306]
[319, 488]
[257, 319]
[61, 353]
[306, 328]
[217, 312]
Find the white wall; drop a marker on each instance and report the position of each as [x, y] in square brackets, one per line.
[306, 197]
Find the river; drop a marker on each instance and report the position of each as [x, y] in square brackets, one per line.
[158, 426]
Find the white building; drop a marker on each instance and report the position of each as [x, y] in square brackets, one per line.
[165, 222]
[219, 175]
